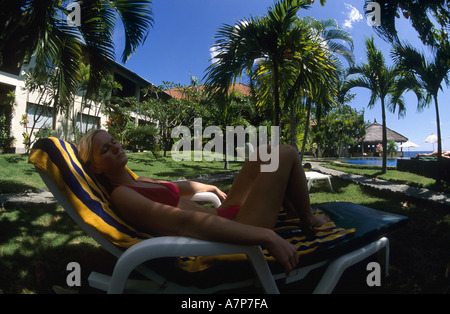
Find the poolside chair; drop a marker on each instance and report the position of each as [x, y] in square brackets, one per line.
[314, 176]
[171, 262]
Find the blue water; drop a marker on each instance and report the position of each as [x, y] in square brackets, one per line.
[378, 161]
[375, 161]
[407, 154]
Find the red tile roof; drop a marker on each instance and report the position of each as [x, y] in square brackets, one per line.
[238, 87]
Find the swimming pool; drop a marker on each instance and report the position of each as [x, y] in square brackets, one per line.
[372, 161]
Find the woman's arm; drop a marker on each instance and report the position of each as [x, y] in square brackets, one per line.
[189, 188]
[167, 220]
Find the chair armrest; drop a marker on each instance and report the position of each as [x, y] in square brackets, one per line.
[185, 246]
[207, 197]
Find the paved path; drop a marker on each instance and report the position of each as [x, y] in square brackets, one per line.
[383, 185]
[46, 197]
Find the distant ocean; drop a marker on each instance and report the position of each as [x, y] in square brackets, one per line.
[377, 161]
[407, 154]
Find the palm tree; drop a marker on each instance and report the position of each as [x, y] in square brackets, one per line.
[428, 74]
[238, 46]
[40, 28]
[317, 76]
[419, 14]
[308, 66]
[382, 81]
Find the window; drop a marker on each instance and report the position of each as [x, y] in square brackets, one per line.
[86, 122]
[39, 116]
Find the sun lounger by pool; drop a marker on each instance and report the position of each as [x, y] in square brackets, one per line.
[355, 233]
[314, 176]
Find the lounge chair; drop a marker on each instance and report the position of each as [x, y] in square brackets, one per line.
[86, 201]
[314, 176]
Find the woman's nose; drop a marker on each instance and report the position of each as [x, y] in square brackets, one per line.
[116, 147]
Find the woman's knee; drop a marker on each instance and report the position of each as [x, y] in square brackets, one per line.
[287, 152]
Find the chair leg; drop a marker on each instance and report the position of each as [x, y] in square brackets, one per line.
[309, 184]
[337, 267]
[262, 271]
[329, 182]
[386, 261]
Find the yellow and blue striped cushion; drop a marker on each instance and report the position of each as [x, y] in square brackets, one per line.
[88, 197]
[327, 235]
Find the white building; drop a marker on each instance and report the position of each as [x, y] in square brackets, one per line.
[29, 103]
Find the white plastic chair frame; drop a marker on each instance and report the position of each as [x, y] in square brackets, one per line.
[314, 176]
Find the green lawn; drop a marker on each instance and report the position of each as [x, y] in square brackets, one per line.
[37, 242]
[392, 174]
[19, 176]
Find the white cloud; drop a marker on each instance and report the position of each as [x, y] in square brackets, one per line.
[213, 52]
[353, 16]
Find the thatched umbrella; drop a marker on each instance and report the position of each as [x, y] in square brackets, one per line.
[432, 139]
[374, 135]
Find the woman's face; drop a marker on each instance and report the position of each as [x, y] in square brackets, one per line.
[108, 155]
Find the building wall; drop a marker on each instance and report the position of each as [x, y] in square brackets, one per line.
[24, 97]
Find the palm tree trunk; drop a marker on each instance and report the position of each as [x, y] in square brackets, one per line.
[293, 128]
[383, 116]
[305, 136]
[289, 103]
[439, 144]
[276, 93]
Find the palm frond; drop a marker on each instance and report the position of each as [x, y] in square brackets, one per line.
[137, 19]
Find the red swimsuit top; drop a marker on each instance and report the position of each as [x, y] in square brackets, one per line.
[166, 194]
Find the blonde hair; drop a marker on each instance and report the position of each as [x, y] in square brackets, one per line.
[85, 147]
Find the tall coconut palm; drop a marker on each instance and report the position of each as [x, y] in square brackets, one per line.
[40, 28]
[428, 73]
[306, 66]
[418, 12]
[238, 46]
[317, 74]
[382, 81]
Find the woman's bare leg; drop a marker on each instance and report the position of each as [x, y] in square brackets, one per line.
[261, 194]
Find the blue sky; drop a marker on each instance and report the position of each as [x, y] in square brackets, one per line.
[184, 30]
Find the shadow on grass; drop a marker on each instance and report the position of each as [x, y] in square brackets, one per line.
[420, 252]
[9, 186]
[37, 243]
[16, 158]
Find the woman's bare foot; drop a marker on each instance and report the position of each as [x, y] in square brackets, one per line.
[309, 226]
[317, 221]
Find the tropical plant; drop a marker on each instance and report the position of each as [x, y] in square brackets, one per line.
[121, 125]
[316, 70]
[422, 14]
[383, 81]
[239, 46]
[41, 28]
[45, 86]
[429, 74]
[339, 128]
[6, 112]
[392, 148]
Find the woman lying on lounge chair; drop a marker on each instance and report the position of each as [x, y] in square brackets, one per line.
[247, 214]
[445, 154]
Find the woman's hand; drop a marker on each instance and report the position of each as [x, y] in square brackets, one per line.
[222, 195]
[283, 251]
[189, 188]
